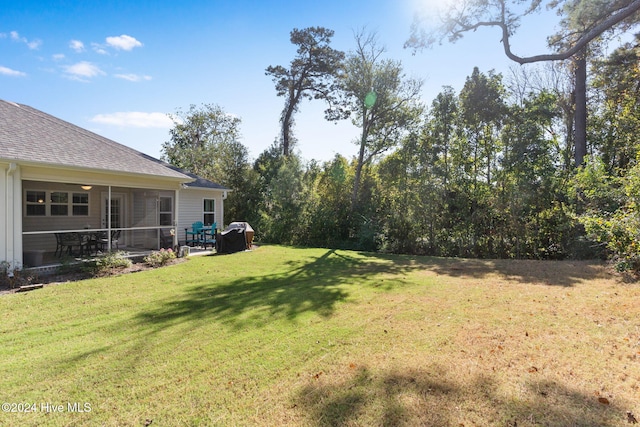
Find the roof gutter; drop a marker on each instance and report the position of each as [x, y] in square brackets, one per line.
[177, 179]
[180, 179]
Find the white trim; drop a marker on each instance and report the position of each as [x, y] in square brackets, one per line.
[96, 177]
[60, 168]
[12, 241]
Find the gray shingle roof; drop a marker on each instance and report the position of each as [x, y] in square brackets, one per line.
[199, 181]
[27, 134]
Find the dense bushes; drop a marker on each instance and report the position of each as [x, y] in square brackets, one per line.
[485, 173]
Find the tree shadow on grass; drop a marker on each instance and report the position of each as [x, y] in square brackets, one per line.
[308, 286]
[564, 273]
[319, 284]
[550, 273]
[435, 397]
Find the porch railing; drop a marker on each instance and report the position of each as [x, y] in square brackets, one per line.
[147, 237]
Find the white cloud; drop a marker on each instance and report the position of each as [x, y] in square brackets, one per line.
[133, 77]
[58, 56]
[98, 48]
[9, 72]
[83, 70]
[123, 42]
[33, 44]
[76, 45]
[135, 119]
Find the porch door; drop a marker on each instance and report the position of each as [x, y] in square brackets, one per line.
[117, 212]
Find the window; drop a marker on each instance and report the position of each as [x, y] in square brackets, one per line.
[59, 203]
[80, 206]
[166, 211]
[209, 212]
[56, 203]
[36, 205]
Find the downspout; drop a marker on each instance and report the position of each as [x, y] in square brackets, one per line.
[10, 218]
[224, 197]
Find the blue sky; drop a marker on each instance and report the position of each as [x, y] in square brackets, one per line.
[118, 67]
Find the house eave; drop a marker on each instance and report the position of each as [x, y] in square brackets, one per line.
[92, 176]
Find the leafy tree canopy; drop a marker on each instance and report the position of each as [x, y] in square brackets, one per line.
[310, 75]
[205, 141]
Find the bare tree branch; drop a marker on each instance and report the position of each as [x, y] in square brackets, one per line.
[613, 19]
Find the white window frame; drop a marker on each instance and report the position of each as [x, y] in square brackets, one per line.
[207, 212]
[38, 202]
[48, 203]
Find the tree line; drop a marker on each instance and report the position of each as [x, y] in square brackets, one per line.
[489, 171]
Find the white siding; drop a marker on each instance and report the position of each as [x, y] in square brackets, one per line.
[191, 208]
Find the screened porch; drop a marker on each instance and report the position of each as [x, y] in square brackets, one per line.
[77, 220]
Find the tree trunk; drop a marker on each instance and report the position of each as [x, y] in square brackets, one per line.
[360, 164]
[358, 174]
[286, 130]
[287, 119]
[285, 140]
[581, 107]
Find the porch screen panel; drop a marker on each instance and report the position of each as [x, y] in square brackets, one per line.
[145, 208]
[116, 220]
[166, 211]
[145, 214]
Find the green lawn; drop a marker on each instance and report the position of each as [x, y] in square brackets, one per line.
[287, 336]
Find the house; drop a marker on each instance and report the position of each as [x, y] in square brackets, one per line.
[57, 177]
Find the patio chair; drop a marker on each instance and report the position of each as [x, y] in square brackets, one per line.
[209, 236]
[59, 244]
[75, 243]
[195, 235]
[102, 241]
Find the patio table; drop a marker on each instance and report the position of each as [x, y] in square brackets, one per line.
[79, 240]
[201, 236]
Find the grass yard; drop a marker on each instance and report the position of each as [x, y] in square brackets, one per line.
[317, 337]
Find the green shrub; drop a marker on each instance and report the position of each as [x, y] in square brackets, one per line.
[113, 260]
[612, 212]
[159, 258]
